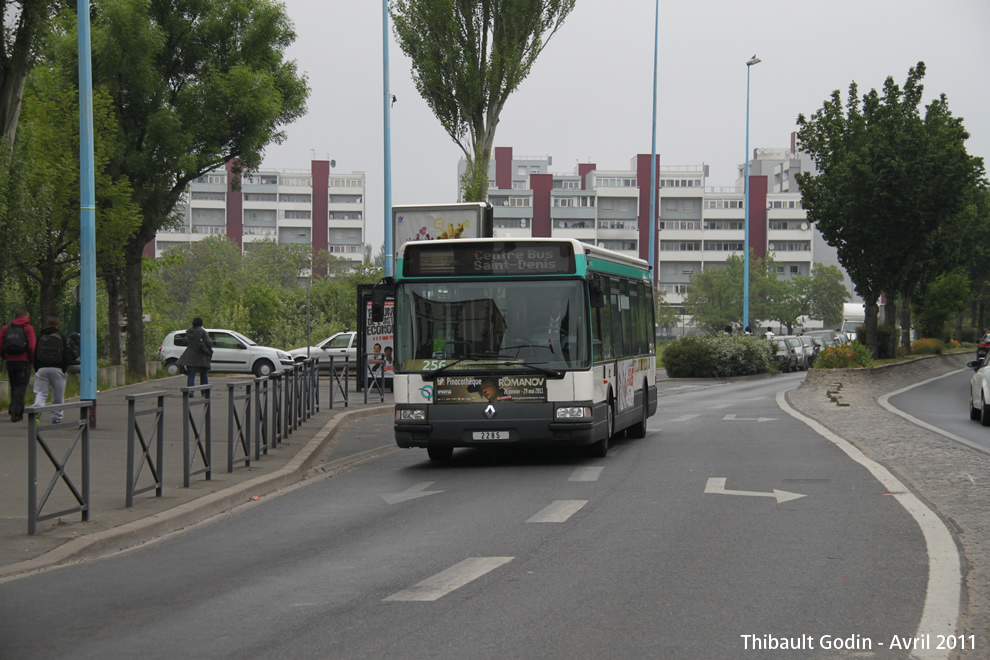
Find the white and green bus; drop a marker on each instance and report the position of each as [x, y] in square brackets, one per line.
[535, 341]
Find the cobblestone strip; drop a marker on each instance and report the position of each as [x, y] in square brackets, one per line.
[953, 479]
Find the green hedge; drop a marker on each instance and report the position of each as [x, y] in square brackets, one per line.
[717, 356]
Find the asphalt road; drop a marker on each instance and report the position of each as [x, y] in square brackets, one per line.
[732, 525]
[944, 404]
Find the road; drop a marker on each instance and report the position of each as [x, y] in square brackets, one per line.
[943, 403]
[732, 525]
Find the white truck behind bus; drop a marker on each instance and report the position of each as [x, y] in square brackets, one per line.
[853, 316]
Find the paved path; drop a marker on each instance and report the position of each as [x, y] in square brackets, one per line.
[112, 525]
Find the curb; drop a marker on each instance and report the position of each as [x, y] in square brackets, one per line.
[189, 514]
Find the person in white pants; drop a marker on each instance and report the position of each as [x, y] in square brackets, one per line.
[51, 362]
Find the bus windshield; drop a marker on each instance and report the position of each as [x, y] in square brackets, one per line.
[490, 324]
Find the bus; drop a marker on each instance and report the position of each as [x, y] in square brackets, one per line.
[529, 341]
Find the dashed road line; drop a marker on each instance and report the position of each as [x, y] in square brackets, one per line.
[558, 512]
[453, 578]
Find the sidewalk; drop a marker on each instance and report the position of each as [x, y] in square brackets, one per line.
[111, 525]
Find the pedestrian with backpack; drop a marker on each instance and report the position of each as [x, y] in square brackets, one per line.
[51, 362]
[17, 343]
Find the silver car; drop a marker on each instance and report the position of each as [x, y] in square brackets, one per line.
[232, 353]
[341, 346]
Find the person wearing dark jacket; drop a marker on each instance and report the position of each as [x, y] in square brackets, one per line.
[18, 362]
[196, 357]
[52, 357]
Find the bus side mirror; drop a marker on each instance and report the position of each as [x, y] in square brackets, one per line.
[382, 290]
[596, 291]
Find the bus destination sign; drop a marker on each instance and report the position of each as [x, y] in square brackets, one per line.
[497, 258]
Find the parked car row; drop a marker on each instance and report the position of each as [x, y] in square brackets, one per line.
[235, 353]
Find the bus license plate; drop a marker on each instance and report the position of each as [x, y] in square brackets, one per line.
[490, 435]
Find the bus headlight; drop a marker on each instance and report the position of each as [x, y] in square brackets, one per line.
[574, 412]
[410, 415]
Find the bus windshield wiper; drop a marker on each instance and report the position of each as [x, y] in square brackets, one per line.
[546, 371]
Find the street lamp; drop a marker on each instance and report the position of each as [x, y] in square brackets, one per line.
[749, 65]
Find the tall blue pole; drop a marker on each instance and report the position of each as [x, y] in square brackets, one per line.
[749, 65]
[653, 152]
[87, 215]
[387, 97]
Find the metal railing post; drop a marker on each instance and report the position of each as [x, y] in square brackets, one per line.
[156, 437]
[260, 417]
[202, 433]
[276, 409]
[36, 439]
[238, 424]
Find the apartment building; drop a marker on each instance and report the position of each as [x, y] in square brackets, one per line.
[314, 207]
[698, 225]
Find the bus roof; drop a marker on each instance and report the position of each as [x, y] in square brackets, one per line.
[591, 253]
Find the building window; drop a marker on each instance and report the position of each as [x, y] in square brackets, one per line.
[519, 201]
[511, 223]
[724, 224]
[724, 246]
[209, 196]
[295, 199]
[260, 197]
[680, 224]
[298, 215]
[298, 181]
[680, 246]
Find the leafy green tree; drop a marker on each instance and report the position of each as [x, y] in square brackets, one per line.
[715, 295]
[195, 84]
[25, 28]
[944, 297]
[467, 58]
[890, 184]
[820, 296]
[47, 257]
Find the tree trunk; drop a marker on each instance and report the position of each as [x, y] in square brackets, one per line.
[112, 284]
[906, 322]
[959, 328]
[872, 314]
[135, 311]
[890, 317]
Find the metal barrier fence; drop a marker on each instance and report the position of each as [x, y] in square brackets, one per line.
[198, 429]
[374, 376]
[277, 408]
[261, 434]
[338, 380]
[155, 437]
[35, 440]
[239, 423]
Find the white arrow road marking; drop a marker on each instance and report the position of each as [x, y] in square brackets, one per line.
[559, 511]
[454, 577]
[586, 474]
[733, 418]
[684, 418]
[419, 490]
[716, 486]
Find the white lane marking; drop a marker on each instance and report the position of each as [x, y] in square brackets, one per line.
[732, 418]
[884, 401]
[586, 474]
[684, 418]
[453, 578]
[559, 511]
[716, 486]
[941, 610]
[411, 493]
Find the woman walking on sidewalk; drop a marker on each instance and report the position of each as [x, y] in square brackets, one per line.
[196, 357]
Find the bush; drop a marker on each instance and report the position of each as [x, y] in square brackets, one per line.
[926, 346]
[849, 356]
[887, 338]
[718, 356]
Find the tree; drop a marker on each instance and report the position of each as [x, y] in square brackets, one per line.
[195, 84]
[25, 26]
[820, 296]
[47, 257]
[944, 297]
[715, 295]
[467, 58]
[889, 189]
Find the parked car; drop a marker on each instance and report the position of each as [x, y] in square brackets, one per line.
[979, 391]
[232, 353]
[810, 344]
[802, 352]
[831, 338]
[339, 346]
[983, 347]
[784, 356]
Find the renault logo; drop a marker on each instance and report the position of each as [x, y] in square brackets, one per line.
[490, 411]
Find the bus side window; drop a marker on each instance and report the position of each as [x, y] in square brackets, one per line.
[596, 335]
[608, 312]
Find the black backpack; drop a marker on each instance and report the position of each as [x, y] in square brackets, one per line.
[51, 349]
[14, 340]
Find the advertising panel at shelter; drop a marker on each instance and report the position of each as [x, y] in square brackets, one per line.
[436, 221]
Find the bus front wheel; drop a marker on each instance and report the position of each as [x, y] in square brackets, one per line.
[599, 449]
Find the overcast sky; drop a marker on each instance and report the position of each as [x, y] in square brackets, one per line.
[589, 97]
